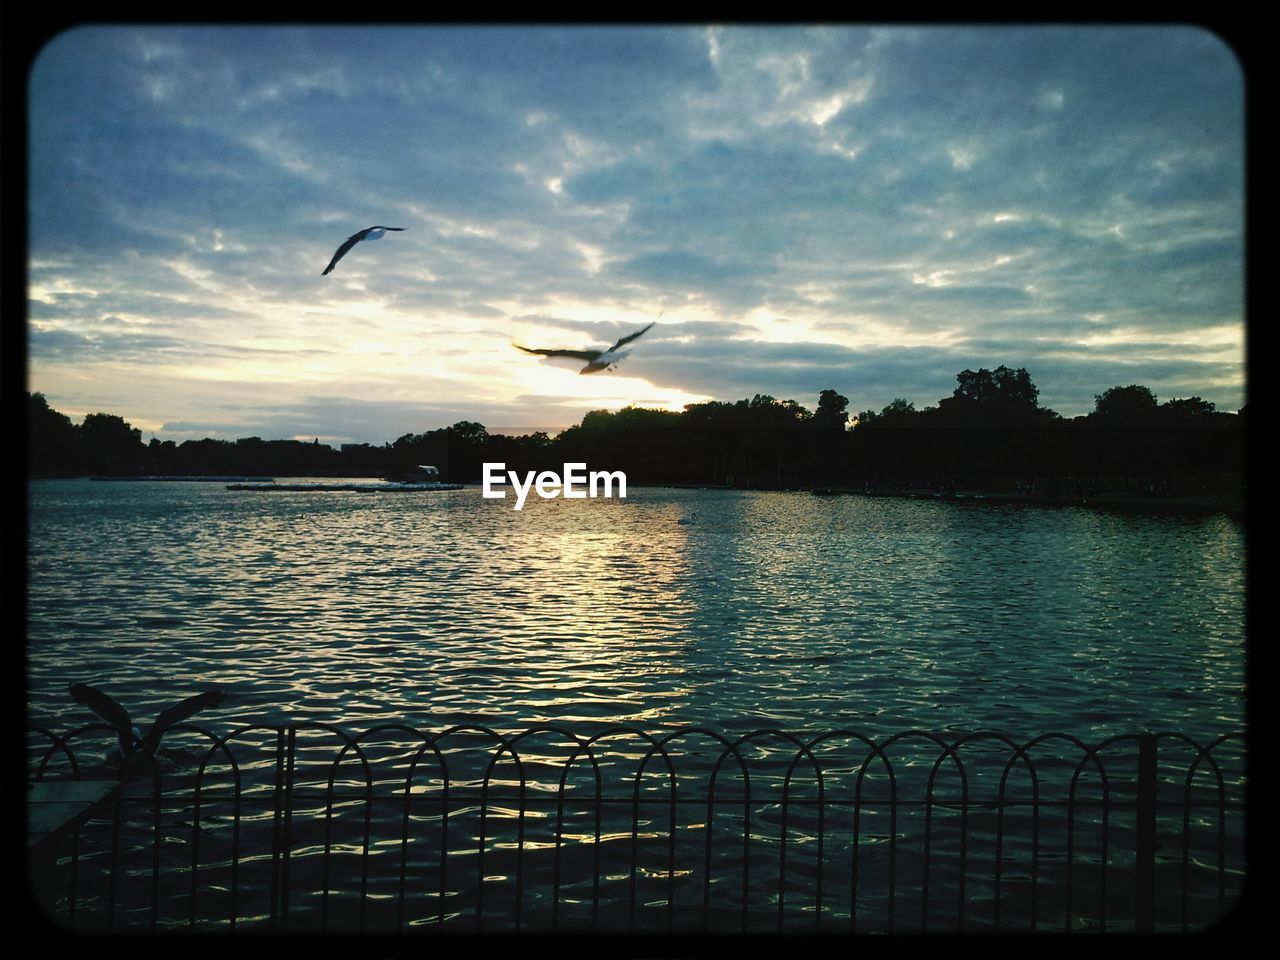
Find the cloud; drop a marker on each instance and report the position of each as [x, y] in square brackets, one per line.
[866, 209]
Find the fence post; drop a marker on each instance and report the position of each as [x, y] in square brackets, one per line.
[277, 831]
[286, 838]
[1144, 864]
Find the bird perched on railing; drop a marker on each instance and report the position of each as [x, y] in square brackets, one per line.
[136, 747]
[368, 233]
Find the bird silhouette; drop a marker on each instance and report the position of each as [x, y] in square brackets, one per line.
[596, 359]
[132, 739]
[368, 233]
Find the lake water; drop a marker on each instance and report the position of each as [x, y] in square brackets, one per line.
[762, 609]
[730, 611]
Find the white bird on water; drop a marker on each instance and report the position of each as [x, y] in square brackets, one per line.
[368, 233]
[596, 359]
[132, 739]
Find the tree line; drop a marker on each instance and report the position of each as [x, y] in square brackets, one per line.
[992, 427]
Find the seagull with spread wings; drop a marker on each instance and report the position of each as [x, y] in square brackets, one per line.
[596, 359]
[132, 739]
[368, 233]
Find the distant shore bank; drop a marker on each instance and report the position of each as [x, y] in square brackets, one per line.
[1230, 503]
[1155, 503]
[1147, 502]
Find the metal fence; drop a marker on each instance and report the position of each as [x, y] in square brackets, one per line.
[310, 828]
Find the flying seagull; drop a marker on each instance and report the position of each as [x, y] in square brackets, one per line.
[131, 737]
[368, 233]
[596, 359]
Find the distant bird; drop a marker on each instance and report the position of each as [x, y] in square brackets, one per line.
[368, 233]
[131, 737]
[596, 359]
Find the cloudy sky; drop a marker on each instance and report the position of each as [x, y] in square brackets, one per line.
[867, 209]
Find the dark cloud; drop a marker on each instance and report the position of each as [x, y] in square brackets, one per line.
[1008, 192]
[120, 345]
[681, 269]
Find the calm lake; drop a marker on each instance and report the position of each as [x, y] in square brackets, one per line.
[728, 609]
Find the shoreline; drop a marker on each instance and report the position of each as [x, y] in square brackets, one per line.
[1152, 503]
[1232, 504]
[1229, 503]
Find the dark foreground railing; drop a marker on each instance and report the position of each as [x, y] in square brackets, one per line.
[308, 827]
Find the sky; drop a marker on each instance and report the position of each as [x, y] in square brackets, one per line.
[866, 209]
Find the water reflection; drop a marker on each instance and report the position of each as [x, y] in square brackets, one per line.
[769, 609]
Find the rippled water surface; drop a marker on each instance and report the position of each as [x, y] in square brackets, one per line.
[732, 610]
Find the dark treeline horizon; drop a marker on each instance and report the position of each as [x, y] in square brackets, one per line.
[991, 430]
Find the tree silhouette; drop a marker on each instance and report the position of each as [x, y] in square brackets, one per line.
[832, 412]
[53, 441]
[1190, 407]
[1124, 402]
[110, 445]
[990, 432]
[468, 431]
[896, 413]
[993, 395]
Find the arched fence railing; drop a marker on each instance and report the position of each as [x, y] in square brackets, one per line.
[311, 828]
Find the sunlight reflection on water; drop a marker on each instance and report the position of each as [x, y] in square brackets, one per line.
[770, 609]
